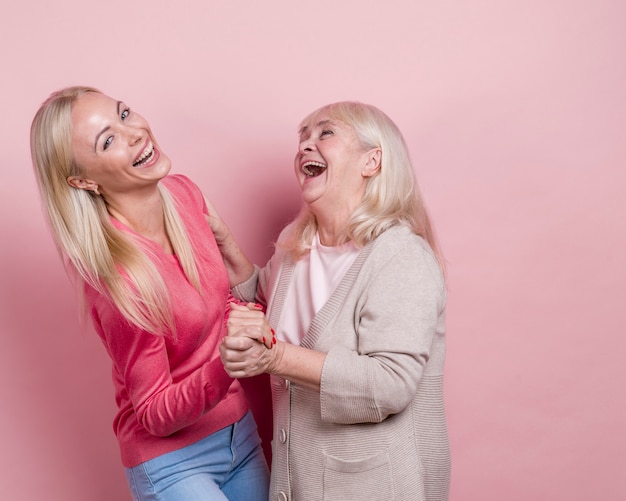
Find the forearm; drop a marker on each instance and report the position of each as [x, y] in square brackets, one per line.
[180, 404]
[238, 266]
[297, 364]
[163, 403]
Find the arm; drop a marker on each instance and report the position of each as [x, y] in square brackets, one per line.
[237, 264]
[400, 338]
[244, 355]
[163, 403]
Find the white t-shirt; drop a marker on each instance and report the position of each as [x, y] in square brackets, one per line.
[315, 277]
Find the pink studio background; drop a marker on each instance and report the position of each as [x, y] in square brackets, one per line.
[515, 114]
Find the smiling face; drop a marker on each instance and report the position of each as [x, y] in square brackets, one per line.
[113, 146]
[332, 166]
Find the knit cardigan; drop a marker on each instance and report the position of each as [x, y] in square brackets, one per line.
[377, 428]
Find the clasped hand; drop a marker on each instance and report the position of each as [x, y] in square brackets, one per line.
[250, 347]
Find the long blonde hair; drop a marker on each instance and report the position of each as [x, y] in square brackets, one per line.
[114, 263]
[392, 196]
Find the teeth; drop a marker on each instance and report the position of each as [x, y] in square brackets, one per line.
[147, 153]
[313, 168]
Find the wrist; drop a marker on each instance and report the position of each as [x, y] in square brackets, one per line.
[276, 354]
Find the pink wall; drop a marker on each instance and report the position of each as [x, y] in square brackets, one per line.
[515, 114]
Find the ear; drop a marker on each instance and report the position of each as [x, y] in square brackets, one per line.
[373, 160]
[82, 183]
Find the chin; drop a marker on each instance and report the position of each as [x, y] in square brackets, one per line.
[163, 168]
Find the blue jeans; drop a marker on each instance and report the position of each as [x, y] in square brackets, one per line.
[227, 465]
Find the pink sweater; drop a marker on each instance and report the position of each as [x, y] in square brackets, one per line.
[172, 393]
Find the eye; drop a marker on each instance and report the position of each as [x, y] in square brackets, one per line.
[326, 132]
[107, 142]
[124, 114]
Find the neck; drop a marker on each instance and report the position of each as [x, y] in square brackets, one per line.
[331, 229]
[143, 214]
[332, 218]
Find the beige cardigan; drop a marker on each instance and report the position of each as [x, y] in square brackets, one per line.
[377, 429]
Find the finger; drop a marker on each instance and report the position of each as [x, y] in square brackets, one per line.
[255, 306]
[237, 343]
[239, 321]
[273, 340]
[248, 317]
[249, 366]
[253, 331]
[238, 307]
[239, 373]
[239, 311]
[241, 363]
[245, 320]
[264, 336]
[261, 333]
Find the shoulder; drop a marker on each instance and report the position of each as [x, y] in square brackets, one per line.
[286, 232]
[180, 183]
[401, 249]
[400, 239]
[183, 189]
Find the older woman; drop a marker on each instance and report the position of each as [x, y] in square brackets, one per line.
[138, 242]
[355, 297]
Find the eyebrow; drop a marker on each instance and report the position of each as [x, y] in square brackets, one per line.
[318, 124]
[95, 143]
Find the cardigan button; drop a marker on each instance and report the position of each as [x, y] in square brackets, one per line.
[283, 435]
[287, 384]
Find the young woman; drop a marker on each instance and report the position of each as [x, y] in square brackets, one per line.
[137, 241]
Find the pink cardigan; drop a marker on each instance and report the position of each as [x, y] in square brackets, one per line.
[172, 392]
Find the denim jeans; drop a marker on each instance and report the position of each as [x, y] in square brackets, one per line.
[227, 465]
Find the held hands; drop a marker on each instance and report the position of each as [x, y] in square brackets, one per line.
[250, 347]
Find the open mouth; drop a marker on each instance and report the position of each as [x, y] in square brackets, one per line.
[145, 156]
[313, 169]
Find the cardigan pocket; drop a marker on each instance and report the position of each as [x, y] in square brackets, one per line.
[364, 479]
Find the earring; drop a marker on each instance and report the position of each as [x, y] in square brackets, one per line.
[95, 190]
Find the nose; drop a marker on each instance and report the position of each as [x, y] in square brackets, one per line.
[135, 135]
[306, 145]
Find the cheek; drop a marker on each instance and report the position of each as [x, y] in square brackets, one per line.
[79, 151]
[296, 167]
[83, 161]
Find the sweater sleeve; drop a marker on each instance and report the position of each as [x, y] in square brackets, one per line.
[397, 320]
[163, 405]
[247, 290]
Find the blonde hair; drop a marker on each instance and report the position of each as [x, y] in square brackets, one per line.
[392, 196]
[113, 262]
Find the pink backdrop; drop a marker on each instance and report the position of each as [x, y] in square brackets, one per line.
[515, 114]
